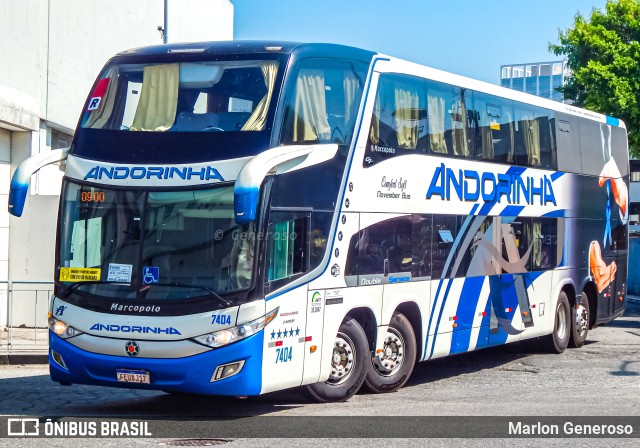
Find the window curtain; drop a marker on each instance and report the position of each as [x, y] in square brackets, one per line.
[351, 86]
[258, 118]
[406, 118]
[159, 98]
[459, 126]
[485, 130]
[535, 239]
[310, 116]
[435, 112]
[508, 124]
[531, 129]
[374, 133]
[101, 115]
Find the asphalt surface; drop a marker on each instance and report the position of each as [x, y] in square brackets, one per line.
[600, 379]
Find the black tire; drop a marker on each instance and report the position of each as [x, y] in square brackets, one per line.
[580, 315]
[392, 370]
[348, 365]
[558, 340]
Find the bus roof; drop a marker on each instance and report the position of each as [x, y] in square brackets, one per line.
[300, 50]
[248, 47]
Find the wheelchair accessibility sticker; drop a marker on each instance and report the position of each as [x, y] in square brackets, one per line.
[150, 274]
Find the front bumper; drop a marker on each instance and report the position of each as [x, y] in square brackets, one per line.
[191, 374]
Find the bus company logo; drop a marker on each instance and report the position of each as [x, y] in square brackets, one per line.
[132, 348]
[153, 172]
[316, 298]
[469, 186]
[23, 427]
[133, 329]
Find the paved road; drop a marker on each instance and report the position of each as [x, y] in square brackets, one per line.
[600, 379]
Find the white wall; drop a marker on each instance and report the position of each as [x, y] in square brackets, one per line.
[54, 54]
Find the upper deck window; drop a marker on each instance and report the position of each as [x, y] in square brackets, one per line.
[322, 105]
[210, 96]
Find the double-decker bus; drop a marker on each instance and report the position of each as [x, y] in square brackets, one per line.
[243, 217]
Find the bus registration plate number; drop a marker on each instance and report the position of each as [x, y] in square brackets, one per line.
[133, 376]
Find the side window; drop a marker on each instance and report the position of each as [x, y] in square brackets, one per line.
[381, 249]
[517, 243]
[495, 138]
[544, 240]
[422, 235]
[296, 243]
[535, 137]
[287, 249]
[450, 123]
[323, 105]
[445, 230]
[399, 121]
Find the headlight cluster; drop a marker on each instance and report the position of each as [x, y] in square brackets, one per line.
[62, 329]
[235, 334]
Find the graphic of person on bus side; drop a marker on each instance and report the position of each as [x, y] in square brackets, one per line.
[611, 179]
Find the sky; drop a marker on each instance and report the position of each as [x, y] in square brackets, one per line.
[468, 37]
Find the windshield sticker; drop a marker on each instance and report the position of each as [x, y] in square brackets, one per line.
[79, 274]
[150, 274]
[120, 273]
[98, 93]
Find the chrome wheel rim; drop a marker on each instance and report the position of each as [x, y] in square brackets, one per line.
[561, 322]
[342, 359]
[391, 359]
[582, 319]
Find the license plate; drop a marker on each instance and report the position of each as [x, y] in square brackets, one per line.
[133, 376]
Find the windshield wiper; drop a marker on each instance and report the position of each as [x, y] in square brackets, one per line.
[213, 293]
[66, 291]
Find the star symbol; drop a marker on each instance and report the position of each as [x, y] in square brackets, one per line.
[297, 331]
[273, 334]
[291, 332]
[279, 333]
[284, 333]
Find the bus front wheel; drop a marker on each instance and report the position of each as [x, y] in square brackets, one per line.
[558, 340]
[390, 369]
[348, 364]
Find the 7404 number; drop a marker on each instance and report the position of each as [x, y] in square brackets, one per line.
[283, 354]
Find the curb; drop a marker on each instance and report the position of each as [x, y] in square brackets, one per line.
[24, 358]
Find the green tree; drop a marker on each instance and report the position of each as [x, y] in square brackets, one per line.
[603, 53]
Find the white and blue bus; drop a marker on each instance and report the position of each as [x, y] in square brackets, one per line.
[243, 217]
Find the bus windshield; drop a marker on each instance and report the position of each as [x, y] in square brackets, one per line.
[210, 96]
[152, 245]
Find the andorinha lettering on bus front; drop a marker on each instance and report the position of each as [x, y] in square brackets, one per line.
[470, 185]
[153, 172]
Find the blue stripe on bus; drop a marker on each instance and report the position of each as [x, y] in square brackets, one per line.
[444, 299]
[555, 214]
[512, 210]
[465, 314]
[613, 121]
[556, 175]
[433, 308]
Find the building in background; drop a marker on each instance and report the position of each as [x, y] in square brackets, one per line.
[50, 54]
[537, 78]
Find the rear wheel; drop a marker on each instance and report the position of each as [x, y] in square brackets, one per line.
[390, 370]
[348, 364]
[558, 340]
[580, 323]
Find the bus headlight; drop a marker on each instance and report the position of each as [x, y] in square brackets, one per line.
[62, 329]
[237, 333]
